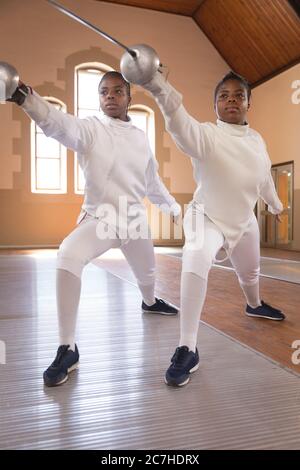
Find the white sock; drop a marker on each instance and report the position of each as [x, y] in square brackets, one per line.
[252, 294]
[193, 293]
[68, 289]
[148, 294]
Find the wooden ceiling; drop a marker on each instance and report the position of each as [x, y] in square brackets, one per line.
[257, 38]
[180, 7]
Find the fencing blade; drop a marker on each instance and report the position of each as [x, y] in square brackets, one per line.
[89, 25]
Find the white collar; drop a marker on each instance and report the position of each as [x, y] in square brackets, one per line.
[118, 123]
[238, 130]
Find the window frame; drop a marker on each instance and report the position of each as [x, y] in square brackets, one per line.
[103, 68]
[150, 128]
[34, 158]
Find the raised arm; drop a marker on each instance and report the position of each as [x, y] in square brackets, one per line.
[156, 191]
[192, 137]
[74, 133]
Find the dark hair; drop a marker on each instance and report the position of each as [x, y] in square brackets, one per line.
[233, 76]
[115, 74]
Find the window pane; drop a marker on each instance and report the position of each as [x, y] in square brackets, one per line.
[87, 105]
[48, 160]
[88, 82]
[46, 147]
[144, 120]
[81, 179]
[139, 119]
[47, 173]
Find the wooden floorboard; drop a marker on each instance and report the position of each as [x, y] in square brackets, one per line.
[267, 252]
[117, 399]
[280, 254]
[225, 305]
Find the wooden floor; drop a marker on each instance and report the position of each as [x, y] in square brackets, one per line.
[238, 399]
[225, 305]
[280, 254]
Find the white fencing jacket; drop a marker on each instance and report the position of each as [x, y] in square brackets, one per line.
[115, 157]
[231, 164]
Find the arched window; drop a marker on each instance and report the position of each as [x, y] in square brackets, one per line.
[87, 78]
[143, 117]
[48, 159]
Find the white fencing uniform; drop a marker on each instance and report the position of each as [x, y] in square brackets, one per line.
[82, 246]
[232, 170]
[231, 165]
[117, 161]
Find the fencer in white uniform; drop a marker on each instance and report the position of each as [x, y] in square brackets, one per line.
[232, 171]
[118, 166]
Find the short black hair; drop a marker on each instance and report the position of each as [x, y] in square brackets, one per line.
[115, 74]
[233, 76]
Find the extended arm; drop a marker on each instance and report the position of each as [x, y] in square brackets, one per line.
[74, 133]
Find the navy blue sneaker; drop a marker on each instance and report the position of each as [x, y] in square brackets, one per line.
[160, 306]
[265, 311]
[183, 363]
[66, 360]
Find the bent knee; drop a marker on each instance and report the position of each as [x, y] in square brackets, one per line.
[198, 262]
[70, 260]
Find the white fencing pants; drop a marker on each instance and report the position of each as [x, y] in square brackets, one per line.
[80, 247]
[196, 264]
